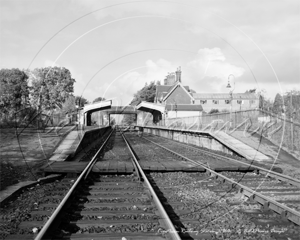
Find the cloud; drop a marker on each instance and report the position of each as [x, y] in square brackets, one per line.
[122, 88]
[209, 25]
[50, 63]
[14, 12]
[211, 64]
[157, 70]
[197, 72]
[107, 8]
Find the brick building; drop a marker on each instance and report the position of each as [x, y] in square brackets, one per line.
[175, 100]
[224, 101]
[173, 92]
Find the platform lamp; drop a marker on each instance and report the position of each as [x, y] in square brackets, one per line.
[231, 76]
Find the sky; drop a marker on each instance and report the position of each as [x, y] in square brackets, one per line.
[114, 47]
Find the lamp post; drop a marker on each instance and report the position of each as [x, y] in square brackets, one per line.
[231, 76]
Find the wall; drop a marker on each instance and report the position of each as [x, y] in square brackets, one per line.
[174, 114]
[280, 131]
[191, 137]
[178, 96]
[222, 105]
[91, 136]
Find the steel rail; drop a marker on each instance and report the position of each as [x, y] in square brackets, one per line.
[171, 229]
[277, 175]
[54, 215]
[287, 212]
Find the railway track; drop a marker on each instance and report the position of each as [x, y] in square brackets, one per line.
[104, 206]
[210, 210]
[271, 189]
[144, 205]
[201, 155]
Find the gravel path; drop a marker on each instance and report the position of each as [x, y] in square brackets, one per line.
[12, 214]
[211, 212]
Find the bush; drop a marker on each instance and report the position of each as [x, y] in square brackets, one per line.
[212, 111]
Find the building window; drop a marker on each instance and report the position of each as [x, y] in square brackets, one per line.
[252, 101]
[203, 101]
[215, 101]
[239, 101]
[227, 101]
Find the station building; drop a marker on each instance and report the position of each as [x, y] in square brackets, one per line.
[173, 100]
[174, 93]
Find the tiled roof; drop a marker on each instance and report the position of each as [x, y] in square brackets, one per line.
[163, 88]
[224, 96]
[161, 95]
[184, 107]
[167, 88]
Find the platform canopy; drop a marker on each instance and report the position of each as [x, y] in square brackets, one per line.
[122, 110]
[149, 107]
[98, 106]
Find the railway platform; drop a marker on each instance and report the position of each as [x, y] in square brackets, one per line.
[67, 146]
[219, 141]
[64, 159]
[240, 147]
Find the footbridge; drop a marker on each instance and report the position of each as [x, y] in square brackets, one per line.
[107, 109]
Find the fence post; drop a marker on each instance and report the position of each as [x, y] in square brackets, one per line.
[292, 133]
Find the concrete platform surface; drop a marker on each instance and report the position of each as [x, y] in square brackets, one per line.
[240, 147]
[266, 146]
[67, 146]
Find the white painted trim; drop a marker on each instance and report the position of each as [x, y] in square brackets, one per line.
[173, 89]
[97, 105]
[153, 106]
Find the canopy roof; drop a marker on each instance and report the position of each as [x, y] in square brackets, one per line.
[97, 106]
[149, 107]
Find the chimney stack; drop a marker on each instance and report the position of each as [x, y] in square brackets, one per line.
[178, 75]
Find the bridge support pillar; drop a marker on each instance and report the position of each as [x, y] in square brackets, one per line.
[87, 119]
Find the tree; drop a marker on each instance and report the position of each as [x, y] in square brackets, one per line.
[264, 103]
[98, 99]
[14, 90]
[69, 105]
[278, 104]
[112, 121]
[147, 94]
[51, 87]
[80, 101]
[251, 90]
[128, 119]
[292, 104]
[225, 111]
[212, 111]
